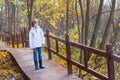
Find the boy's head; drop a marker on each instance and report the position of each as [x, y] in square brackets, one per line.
[34, 23]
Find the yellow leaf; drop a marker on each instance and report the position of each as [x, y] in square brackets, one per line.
[119, 24]
[79, 12]
[21, 3]
[113, 34]
[91, 0]
[13, 1]
[53, 23]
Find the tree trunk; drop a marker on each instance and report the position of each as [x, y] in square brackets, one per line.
[29, 9]
[97, 24]
[1, 21]
[67, 13]
[87, 21]
[82, 35]
[106, 32]
[83, 22]
[13, 5]
[72, 15]
[5, 28]
[116, 31]
[78, 23]
[9, 16]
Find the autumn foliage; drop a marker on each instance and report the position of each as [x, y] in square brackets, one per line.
[9, 69]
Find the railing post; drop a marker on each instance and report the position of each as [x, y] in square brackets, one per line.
[17, 39]
[48, 45]
[68, 51]
[110, 62]
[7, 40]
[25, 36]
[86, 58]
[12, 40]
[3, 37]
[0, 36]
[57, 50]
[22, 40]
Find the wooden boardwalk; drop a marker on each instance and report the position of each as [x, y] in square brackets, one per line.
[53, 71]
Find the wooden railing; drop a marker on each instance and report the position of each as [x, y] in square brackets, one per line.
[20, 38]
[108, 54]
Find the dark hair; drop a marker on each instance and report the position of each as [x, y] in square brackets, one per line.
[33, 23]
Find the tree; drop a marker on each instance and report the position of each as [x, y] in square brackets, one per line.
[97, 24]
[107, 28]
[67, 14]
[1, 13]
[87, 21]
[83, 22]
[13, 16]
[29, 10]
[1, 22]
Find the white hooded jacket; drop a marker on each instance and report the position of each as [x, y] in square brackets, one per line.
[36, 37]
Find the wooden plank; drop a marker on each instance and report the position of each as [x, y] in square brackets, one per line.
[89, 49]
[56, 38]
[116, 57]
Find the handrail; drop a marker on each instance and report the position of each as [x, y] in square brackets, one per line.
[89, 49]
[108, 54]
[116, 57]
[16, 39]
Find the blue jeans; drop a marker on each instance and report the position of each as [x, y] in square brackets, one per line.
[37, 53]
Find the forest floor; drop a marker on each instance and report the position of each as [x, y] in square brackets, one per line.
[9, 69]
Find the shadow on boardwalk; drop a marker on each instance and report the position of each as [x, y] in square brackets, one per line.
[53, 71]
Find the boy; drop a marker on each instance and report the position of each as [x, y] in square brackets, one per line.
[36, 42]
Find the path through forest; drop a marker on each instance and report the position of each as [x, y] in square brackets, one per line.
[53, 71]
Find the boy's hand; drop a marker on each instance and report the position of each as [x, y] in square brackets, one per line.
[43, 45]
